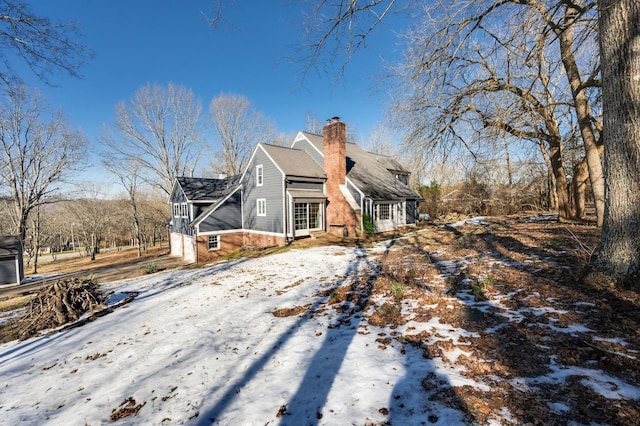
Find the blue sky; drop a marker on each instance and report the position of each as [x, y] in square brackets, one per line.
[248, 53]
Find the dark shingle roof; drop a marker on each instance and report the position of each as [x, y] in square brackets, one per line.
[294, 162]
[9, 245]
[373, 174]
[200, 189]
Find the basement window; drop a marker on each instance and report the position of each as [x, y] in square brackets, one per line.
[213, 242]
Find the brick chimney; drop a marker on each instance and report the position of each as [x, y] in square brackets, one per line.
[334, 141]
[340, 215]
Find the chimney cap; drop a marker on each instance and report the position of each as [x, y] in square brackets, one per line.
[335, 119]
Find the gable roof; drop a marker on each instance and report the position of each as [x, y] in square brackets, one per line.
[206, 189]
[10, 245]
[373, 174]
[294, 162]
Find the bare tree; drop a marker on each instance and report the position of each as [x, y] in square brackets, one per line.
[380, 142]
[238, 127]
[619, 252]
[91, 214]
[44, 46]
[128, 173]
[452, 39]
[485, 95]
[312, 123]
[159, 130]
[39, 150]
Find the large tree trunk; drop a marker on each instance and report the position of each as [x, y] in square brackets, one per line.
[579, 188]
[583, 112]
[560, 194]
[552, 196]
[619, 252]
[565, 210]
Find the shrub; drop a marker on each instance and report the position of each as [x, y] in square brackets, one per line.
[150, 268]
[367, 224]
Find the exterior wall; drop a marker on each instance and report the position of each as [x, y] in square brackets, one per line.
[199, 208]
[305, 185]
[180, 224]
[182, 245]
[10, 270]
[305, 145]
[397, 220]
[189, 249]
[272, 191]
[226, 217]
[263, 240]
[340, 215]
[228, 244]
[176, 244]
[291, 201]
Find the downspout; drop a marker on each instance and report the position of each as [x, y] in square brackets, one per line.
[362, 213]
[195, 241]
[285, 211]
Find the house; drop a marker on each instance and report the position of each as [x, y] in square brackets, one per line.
[320, 183]
[11, 266]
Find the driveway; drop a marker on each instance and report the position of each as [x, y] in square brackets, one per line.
[105, 273]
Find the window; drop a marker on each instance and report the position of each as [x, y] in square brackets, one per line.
[307, 216]
[259, 175]
[176, 209]
[315, 216]
[384, 212]
[213, 242]
[262, 207]
[184, 212]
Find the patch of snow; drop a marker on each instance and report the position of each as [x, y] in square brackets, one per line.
[479, 220]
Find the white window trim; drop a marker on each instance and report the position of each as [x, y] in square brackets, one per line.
[259, 175]
[377, 208]
[217, 246]
[261, 211]
[184, 211]
[176, 209]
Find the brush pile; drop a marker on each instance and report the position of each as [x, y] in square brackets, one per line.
[60, 303]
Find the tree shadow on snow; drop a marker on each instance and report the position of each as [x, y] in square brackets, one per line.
[306, 405]
[518, 345]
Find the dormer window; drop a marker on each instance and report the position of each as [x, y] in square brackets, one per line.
[259, 175]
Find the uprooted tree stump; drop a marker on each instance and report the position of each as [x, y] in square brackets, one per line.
[60, 303]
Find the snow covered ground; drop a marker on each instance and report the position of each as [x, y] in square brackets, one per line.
[203, 346]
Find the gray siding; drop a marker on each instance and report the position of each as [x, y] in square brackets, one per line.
[271, 190]
[226, 217]
[8, 271]
[305, 185]
[198, 208]
[180, 224]
[311, 150]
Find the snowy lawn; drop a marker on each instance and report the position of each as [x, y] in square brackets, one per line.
[317, 336]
